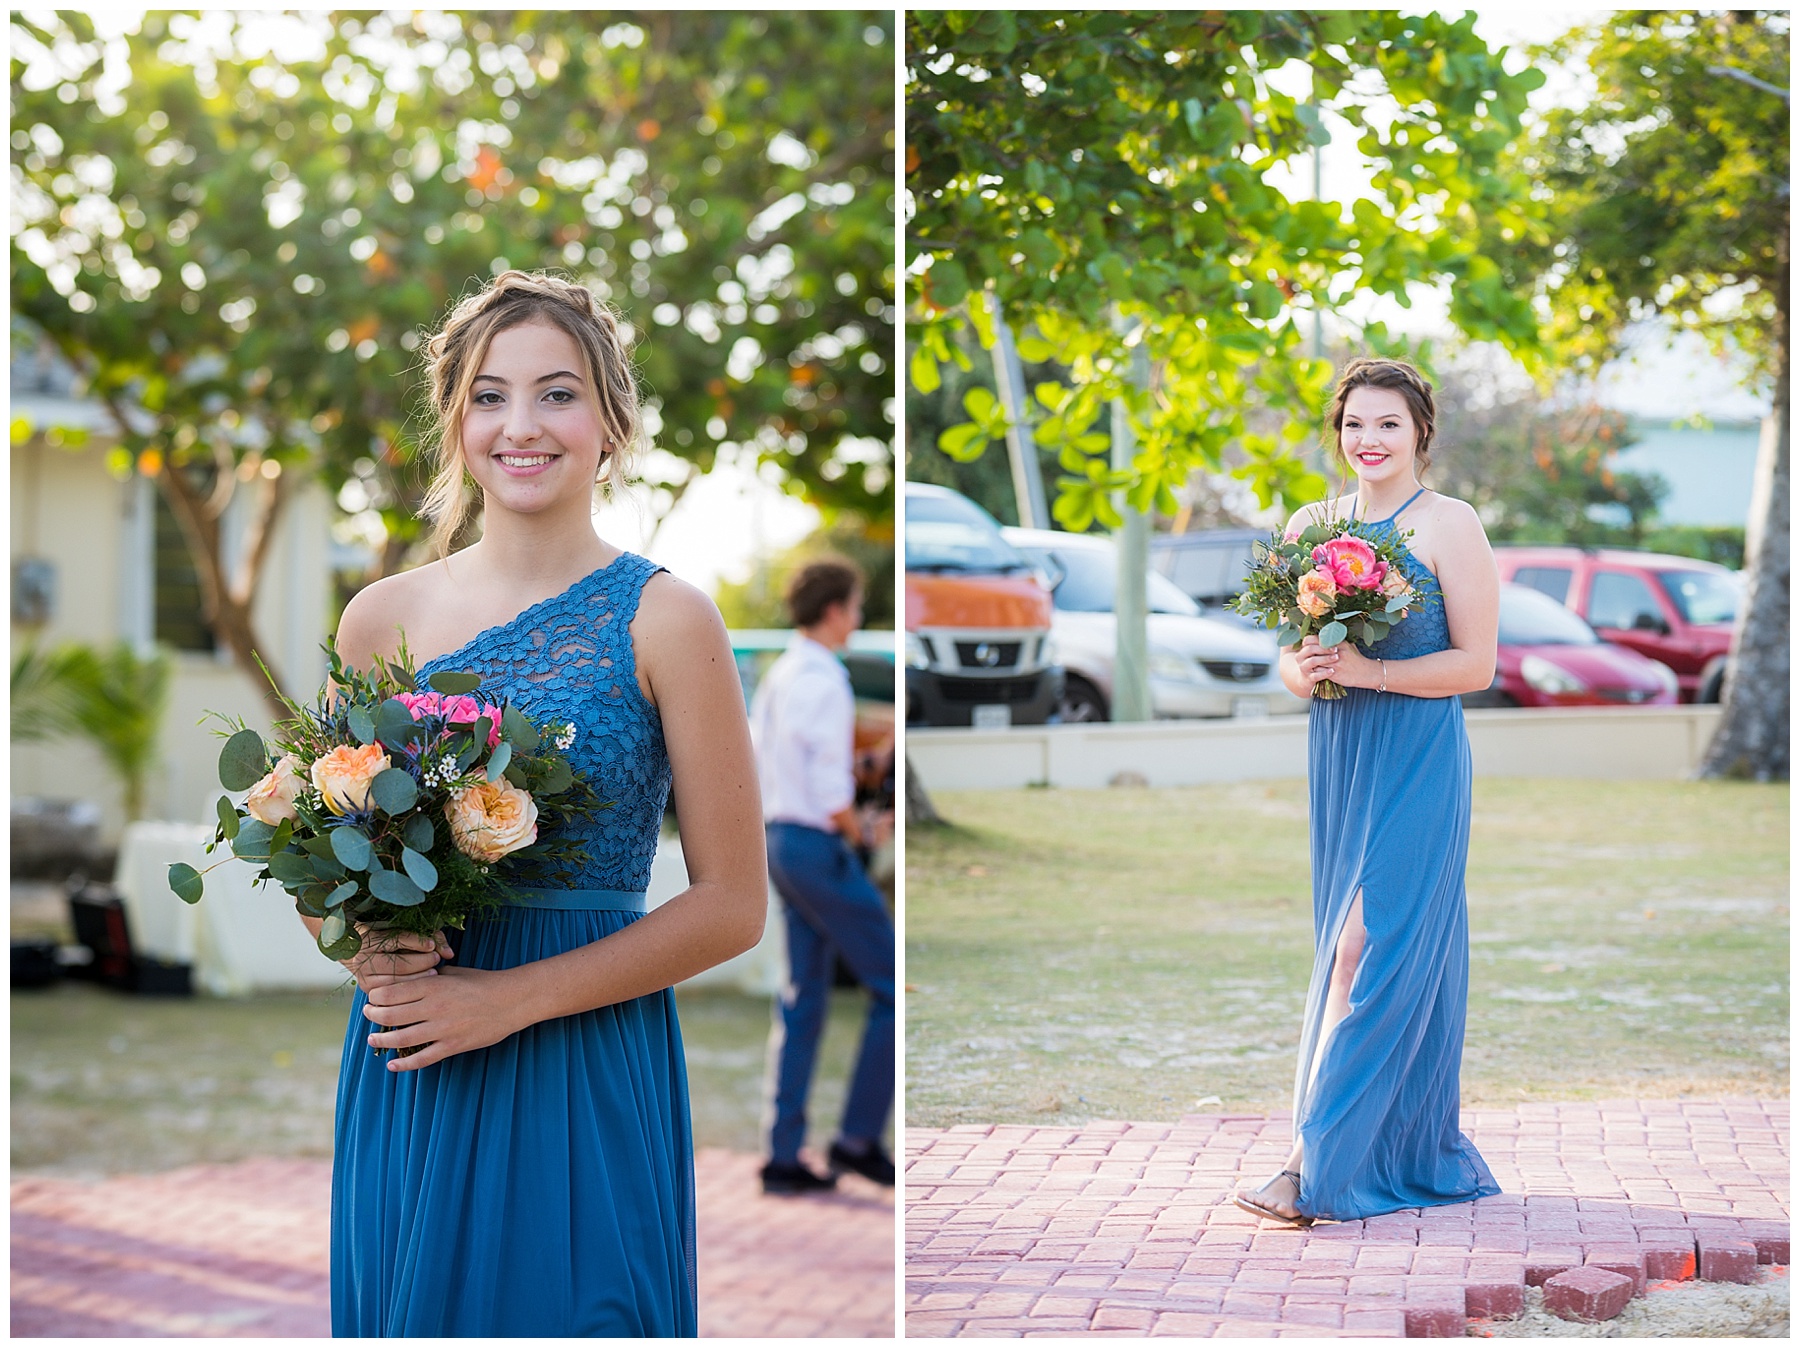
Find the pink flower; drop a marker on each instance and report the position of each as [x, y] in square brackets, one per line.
[460, 707]
[1352, 563]
[1317, 590]
[272, 799]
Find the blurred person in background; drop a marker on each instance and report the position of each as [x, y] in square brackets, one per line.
[803, 721]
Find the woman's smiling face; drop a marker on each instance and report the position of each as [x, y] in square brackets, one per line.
[531, 432]
[1379, 436]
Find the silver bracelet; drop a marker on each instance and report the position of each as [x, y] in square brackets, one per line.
[1382, 686]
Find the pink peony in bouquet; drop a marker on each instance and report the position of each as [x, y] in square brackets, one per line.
[1332, 581]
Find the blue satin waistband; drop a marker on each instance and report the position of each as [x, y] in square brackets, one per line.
[581, 900]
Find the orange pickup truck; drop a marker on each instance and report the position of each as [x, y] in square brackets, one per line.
[978, 614]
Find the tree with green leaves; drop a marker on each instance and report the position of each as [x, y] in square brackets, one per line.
[236, 228]
[1667, 198]
[1097, 180]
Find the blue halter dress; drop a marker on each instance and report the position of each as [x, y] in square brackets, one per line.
[1390, 797]
[543, 1186]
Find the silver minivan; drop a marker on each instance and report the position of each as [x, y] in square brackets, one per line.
[1199, 665]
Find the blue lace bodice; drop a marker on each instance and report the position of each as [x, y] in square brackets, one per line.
[571, 658]
[1425, 629]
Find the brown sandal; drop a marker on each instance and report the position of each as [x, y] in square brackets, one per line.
[1260, 1210]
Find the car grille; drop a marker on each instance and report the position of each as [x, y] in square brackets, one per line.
[1235, 671]
[989, 690]
[988, 654]
[1624, 694]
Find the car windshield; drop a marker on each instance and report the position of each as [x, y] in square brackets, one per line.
[947, 533]
[1530, 618]
[1090, 577]
[1704, 597]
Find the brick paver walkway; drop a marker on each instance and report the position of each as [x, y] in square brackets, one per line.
[242, 1251]
[1125, 1228]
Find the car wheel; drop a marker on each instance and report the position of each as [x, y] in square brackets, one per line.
[1081, 701]
[1714, 687]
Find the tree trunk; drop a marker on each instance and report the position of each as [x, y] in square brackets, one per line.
[226, 600]
[1752, 738]
[919, 809]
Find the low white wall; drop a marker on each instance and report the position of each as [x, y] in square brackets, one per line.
[1603, 742]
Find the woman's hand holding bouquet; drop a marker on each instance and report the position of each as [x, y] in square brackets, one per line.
[393, 815]
[1331, 581]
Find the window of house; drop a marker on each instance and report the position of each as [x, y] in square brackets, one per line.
[179, 620]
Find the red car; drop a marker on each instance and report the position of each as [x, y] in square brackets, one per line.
[1678, 610]
[1550, 658]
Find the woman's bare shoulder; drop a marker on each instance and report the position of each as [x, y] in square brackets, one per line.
[379, 615]
[671, 610]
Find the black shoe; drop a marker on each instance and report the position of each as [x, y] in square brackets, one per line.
[874, 1164]
[795, 1179]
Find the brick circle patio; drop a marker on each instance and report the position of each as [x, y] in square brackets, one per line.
[1124, 1228]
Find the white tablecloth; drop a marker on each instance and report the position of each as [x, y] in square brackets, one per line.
[243, 938]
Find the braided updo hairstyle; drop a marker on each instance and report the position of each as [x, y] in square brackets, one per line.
[1379, 372]
[454, 355]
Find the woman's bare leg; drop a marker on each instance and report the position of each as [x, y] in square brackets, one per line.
[1345, 961]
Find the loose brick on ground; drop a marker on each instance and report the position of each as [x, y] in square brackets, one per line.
[1589, 1293]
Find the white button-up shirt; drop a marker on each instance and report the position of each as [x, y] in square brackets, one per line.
[803, 723]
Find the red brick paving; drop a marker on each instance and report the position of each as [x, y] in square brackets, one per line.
[243, 1250]
[1125, 1227]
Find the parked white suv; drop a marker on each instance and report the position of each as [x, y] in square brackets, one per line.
[1199, 666]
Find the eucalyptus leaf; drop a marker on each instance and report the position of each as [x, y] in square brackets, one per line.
[326, 868]
[483, 728]
[454, 682]
[472, 750]
[1398, 602]
[228, 818]
[243, 762]
[497, 763]
[284, 834]
[395, 888]
[558, 777]
[252, 841]
[351, 846]
[394, 791]
[186, 882]
[418, 833]
[291, 869]
[516, 775]
[342, 892]
[362, 725]
[419, 867]
[1332, 633]
[518, 730]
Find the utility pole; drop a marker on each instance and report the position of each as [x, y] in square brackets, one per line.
[1131, 657]
[1021, 449]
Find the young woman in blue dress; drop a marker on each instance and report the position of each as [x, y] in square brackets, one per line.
[1376, 1090]
[529, 1170]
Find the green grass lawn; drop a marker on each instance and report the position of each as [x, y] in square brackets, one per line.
[1140, 954]
[104, 1083]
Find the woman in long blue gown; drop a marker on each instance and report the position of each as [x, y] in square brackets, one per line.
[1376, 1089]
[529, 1170]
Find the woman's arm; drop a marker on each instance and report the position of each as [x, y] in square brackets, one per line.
[1471, 596]
[686, 659]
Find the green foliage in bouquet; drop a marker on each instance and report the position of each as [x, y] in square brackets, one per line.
[1334, 580]
[354, 813]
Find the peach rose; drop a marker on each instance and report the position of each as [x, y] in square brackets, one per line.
[343, 775]
[1317, 590]
[272, 799]
[1394, 584]
[490, 819]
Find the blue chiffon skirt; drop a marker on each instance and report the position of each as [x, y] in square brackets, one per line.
[541, 1186]
[1390, 798]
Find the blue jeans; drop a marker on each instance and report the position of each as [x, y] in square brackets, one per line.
[831, 908]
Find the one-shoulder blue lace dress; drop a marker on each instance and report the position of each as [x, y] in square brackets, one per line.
[1390, 798]
[544, 1185]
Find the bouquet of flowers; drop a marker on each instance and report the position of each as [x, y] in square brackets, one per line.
[383, 808]
[1332, 581]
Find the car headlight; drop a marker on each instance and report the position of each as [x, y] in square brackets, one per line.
[1666, 677]
[1048, 652]
[1549, 678]
[1169, 665]
[918, 655]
